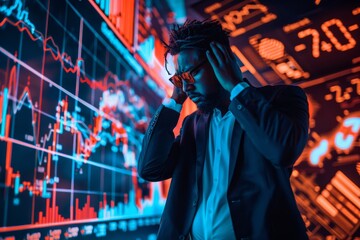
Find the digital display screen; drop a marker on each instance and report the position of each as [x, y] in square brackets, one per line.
[72, 121]
[290, 42]
[318, 44]
[78, 88]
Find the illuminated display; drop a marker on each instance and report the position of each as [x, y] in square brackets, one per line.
[71, 125]
[338, 98]
[77, 92]
[315, 45]
[240, 17]
[291, 42]
[120, 16]
[135, 38]
[326, 182]
[312, 47]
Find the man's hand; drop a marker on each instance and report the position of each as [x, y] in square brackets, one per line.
[225, 67]
[179, 95]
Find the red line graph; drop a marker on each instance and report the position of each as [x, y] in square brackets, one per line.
[65, 59]
[83, 150]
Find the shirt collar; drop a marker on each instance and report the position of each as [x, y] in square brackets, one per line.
[217, 114]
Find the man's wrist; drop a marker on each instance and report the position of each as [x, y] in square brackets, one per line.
[178, 101]
[238, 89]
[172, 104]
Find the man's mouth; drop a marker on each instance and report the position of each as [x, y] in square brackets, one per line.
[196, 98]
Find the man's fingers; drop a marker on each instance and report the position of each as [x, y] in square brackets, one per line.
[224, 52]
[211, 58]
[217, 53]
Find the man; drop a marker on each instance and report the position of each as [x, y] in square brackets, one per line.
[231, 163]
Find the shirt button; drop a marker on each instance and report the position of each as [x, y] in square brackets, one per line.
[239, 107]
[194, 203]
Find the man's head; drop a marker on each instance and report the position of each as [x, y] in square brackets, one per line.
[187, 45]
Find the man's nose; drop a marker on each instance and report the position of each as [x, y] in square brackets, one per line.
[187, 86]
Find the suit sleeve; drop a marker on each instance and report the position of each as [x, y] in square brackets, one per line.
[278, 127]
[160, 148]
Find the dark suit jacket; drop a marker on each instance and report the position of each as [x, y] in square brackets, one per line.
[270, 132]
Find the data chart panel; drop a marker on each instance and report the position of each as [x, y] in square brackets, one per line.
[71, 125]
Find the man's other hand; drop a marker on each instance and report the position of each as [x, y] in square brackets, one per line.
[179, 95]
[225, 67]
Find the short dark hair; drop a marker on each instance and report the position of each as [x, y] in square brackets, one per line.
[195, 34]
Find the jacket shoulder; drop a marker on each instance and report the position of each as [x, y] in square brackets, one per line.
[273, 90]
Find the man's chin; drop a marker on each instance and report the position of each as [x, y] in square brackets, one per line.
[204, 107]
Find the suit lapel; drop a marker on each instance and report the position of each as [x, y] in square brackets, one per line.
[202, 139]
[201, 136]
[236, 139]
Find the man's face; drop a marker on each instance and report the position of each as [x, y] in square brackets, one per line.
[205, 91]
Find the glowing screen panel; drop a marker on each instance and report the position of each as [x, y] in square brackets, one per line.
[326, 180]
[71, 126]
[290, 41]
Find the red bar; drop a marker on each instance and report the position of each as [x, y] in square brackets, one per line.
[12, 79]
[78, 151]
[48, 164]
[51, 215]
[47, 211]
[54, 136]
[8, 168]
[56, 214]
[7, 125]
[65, 109]
[53, 201]
[76, 208]
[9, 174]
[105, 202]
[138, 197]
